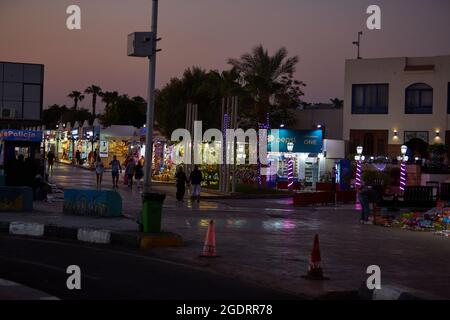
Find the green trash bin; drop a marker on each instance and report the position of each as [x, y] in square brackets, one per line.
[152, 204]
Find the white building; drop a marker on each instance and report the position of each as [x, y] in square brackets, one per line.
[393, 101]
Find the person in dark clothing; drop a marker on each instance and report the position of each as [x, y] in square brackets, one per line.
[195, 180]
[138, 175]
[21, 176]
[366, 195]
[181, 181]
[78, 157]
[50, 160]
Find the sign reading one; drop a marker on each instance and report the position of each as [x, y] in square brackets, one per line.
[304, 141]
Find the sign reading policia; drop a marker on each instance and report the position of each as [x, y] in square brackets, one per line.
[305, 141]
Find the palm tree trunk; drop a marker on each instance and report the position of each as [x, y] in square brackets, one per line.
[94, 102]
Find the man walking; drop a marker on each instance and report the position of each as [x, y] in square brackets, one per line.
[365, 196]
[130, 170]
[50, 160]
[196, 179]
[115, 169]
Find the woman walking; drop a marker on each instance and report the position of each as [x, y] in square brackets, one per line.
[99, 169]
[129, 171]
[181, 183]
[139, 174]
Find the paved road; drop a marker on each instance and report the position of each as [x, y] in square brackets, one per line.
[269, 241]
[115, 274]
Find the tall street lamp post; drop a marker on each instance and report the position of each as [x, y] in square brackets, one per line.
[359, 158]
[404, 159]
[143, 44]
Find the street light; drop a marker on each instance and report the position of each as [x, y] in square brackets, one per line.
[143, 44]
[290, 174]
[404, 158]
[403, 149]
[359, 150]
[290, 146]
[358, 159]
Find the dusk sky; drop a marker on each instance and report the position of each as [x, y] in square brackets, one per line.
[206, 33]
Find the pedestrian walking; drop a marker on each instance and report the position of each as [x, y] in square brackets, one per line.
[78, 157]
[129, 171]
[195, 179]
[365, 195]
[99, 169]
[181, 181]
[139, 174]
[50, 161]
[115, 169]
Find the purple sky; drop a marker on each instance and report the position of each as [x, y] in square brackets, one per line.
[206, 33]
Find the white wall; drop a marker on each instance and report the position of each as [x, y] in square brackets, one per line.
[391, 70]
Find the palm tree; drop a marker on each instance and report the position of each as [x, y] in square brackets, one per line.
[109, 97]
[95, 91]
[77, 96]
[337, 103]
[262, 75]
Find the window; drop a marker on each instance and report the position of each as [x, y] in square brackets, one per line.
[21, 91]
[419, 99]
[370, 98]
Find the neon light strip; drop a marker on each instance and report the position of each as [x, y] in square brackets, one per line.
[358, 174]
[290, 173]
[402, 176]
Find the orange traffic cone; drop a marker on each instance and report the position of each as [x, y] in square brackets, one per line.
[315, 270]
[209, 249]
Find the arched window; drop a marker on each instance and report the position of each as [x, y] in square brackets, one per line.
[419, 99]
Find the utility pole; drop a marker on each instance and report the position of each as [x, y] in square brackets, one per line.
[151, 103]
[143, 44]
[358, 44]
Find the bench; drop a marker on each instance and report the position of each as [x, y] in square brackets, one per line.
[304, 199]
[346, 196]
[91, 202]
[16, 199]
[417, 197]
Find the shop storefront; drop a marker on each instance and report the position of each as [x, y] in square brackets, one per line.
[297, 155]
[21, 156]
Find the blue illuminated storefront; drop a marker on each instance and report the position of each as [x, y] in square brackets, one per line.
[303, 147]
[15, 144]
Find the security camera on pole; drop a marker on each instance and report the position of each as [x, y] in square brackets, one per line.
[143, 44]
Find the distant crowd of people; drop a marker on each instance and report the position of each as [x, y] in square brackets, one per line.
[195, 179]
[28, 172]
[134, 170]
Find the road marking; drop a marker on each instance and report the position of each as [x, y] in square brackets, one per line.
[105, 249]
[6, 283]
[46, 266]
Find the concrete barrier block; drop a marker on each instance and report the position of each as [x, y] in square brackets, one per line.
[91, 202]
[94, 236]
[26, 228]
[16, 199]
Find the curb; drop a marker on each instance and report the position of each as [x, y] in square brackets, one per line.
[388, 292]
[91, 235]
[10, 290]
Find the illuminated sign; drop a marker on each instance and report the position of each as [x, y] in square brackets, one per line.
[21, 135]
[104, 149]
[305, 141]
